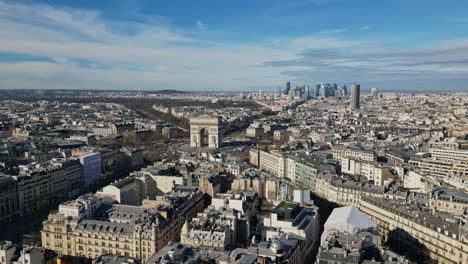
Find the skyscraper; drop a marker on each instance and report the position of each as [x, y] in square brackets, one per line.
[375, 93]
[317, 90]
[288, 88]
[355, 94]
[323, 91]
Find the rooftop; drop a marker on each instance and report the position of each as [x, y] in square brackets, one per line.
[114, 259]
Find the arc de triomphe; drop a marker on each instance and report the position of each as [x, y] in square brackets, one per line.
[205, 131]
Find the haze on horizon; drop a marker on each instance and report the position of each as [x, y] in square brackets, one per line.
[233, 45]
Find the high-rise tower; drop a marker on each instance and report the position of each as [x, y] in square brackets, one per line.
[288, 88]
[355, 94]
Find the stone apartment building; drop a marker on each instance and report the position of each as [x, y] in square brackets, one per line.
[426, 233]
[346, 192]
[187, 202]
[298, 170]
[40, 186]
[423, 234]
[109, 229]
[9, 205]
[212, 228]
[294, 220]
[130, 190]
[368, 170]
[358, 153]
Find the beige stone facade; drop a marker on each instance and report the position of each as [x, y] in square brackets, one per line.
[205, 131]
[431, 234]
[133, 231]
[442, 241]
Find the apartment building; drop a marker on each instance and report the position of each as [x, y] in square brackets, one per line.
[91, 167]
[296, 220]
[306, 174]
[34, 191]
[40, 186]
[186, 201]
[338, 152]
[244, 202]
[176, 253]
[113, 161]
[135, 155]
[449, 201]
[14, 254]
[212, 228]
[272, 162]
[65, 178]
[235, 168]
[458, 182]
[453, 172]
[346, 192]
[460, 169]
[121, 128]
[102, 130]
[368, 170]
[130, 190]
[397, 156]
[445, 145]
[283, 249]
[360, 154]
[295, 169]
[449, 155]
[422, 234]
[9, 206]
[109, 229]
[266, 187]
[166, 177]
[414, 180]
[438, 168]
[357, 153]
[359, 247]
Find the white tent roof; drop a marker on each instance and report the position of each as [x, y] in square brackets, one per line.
[347, 219]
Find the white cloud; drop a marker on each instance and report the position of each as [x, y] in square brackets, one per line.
[447, 61]
[119, 53]
[334, 31]
[321, 42]
[201, 25]
[84, 50]
[365, 28]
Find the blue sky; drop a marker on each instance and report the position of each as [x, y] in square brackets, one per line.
[233, 45]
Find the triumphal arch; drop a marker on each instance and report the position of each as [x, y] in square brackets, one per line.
[205, 131]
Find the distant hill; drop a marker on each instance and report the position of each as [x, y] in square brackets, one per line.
[168, 91]
[60, 93]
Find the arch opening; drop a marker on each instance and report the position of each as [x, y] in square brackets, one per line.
[204, 137]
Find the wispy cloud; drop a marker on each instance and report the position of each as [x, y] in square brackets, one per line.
[201, 25]
[443, 62]
[158, 55]
[323, 42]
[365, 28]
[334, 31]
[77, 48]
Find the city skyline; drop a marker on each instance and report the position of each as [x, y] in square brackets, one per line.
[241, 46]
